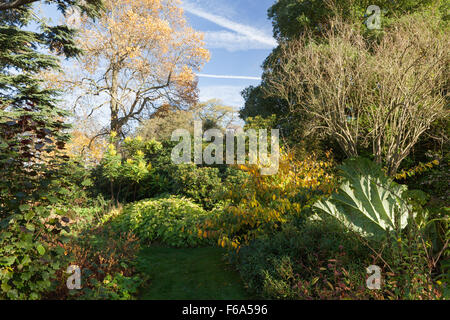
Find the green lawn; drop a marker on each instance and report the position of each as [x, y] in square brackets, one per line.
[192, 274]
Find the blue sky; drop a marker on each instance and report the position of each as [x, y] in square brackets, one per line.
[239, 37]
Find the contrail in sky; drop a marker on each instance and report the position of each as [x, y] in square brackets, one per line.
[216, 76]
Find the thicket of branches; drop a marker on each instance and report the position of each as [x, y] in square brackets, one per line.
[381, 94]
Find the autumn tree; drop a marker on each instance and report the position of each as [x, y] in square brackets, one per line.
[382, 95]
[138, 56]
[164, 121]
[212, 113]
[81, 146]
[215, 114]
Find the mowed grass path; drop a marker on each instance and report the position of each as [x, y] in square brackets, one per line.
[189, 274]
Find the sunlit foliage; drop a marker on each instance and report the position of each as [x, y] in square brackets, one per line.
[263, 203]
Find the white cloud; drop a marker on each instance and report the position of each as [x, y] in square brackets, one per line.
[231, 95]
[216, 76]
[232, 41]
[244, 38]
[234, 36]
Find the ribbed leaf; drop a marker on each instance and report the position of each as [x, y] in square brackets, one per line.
[367, 201]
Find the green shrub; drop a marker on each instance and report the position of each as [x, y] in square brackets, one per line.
[203, 184]
[374, 207]
[117, 287]
[172, 221]
[107, 262]
[29, 259]
[207, 186]
[198, 183]
[316, 260]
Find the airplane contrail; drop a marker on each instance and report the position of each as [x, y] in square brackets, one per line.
[216, 76]
[248, 31]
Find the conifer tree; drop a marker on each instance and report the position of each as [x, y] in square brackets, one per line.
[32, 127]
[32, 133]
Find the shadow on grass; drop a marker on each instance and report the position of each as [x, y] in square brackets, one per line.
[189, 274]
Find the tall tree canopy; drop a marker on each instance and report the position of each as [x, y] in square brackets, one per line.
[293, 19]
[31, 125]
[139, 55]
[382, 95]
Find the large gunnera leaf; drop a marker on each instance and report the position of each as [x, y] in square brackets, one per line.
[367, 201]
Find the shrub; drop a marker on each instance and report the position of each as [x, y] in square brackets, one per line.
[172, 221]
[372, 206]
[129, 172]
[29, 258]
[116, 287]
[261, 204]
[316, 260]
[106, 259]
[393, 88]
[207, 186]
[198, 183]
[149, 172]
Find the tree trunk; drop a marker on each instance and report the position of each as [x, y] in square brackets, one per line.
[114, 103]
[112, 190]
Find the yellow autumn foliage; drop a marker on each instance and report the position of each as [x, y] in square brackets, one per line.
[420, 168]
[151, 38]
[263, 203]
[80, 146]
